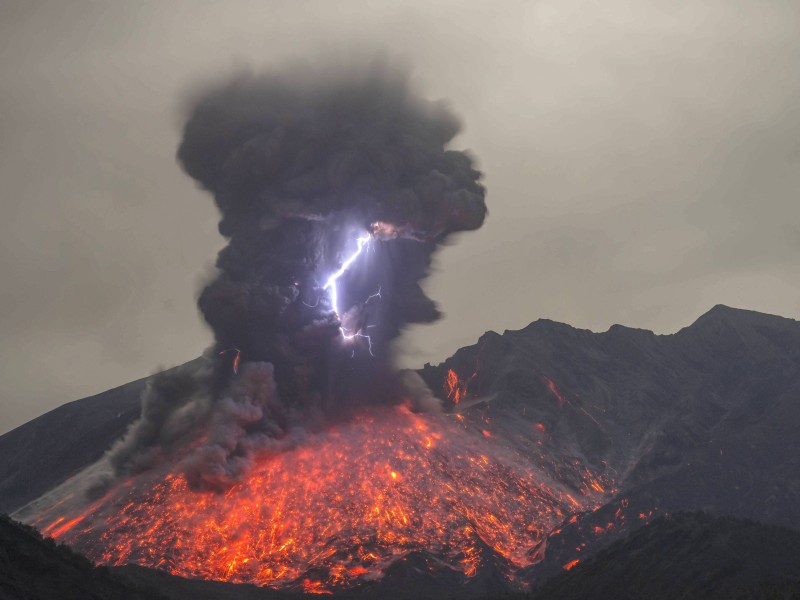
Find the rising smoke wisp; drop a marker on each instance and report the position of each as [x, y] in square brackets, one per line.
[301, 164]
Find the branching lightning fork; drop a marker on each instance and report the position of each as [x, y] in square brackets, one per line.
[331, 286]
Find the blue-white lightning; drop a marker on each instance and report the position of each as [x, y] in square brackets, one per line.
[331, 287]
[331, 283]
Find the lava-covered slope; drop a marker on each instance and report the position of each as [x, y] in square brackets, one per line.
[640, 423]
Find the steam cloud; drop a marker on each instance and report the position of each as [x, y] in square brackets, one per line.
[300, 164]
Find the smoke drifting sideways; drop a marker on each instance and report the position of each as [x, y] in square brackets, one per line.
[301, 164]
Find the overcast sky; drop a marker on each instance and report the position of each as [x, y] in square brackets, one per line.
[641, 160]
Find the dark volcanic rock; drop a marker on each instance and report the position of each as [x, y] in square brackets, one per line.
[716, 404]
[692, 556]
[37, 456]
[38, 569]
[42, 453]
[180, 588]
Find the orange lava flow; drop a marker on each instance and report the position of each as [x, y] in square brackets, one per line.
[571, 564]
[336, 510]
[454, 387]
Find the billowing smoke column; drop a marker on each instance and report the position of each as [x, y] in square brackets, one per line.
[334, 186]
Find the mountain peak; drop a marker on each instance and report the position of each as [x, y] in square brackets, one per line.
[725, 311]
[721, 314]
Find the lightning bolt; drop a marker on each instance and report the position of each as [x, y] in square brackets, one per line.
[331, 283]
[331, 286]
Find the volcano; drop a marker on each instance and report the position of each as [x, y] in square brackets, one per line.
[552, 442]
[342, 507]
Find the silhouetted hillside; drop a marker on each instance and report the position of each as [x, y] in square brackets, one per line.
[41, 453]
[692, 556]
[32, 568]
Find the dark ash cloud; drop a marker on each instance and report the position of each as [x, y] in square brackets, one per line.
[301, 164]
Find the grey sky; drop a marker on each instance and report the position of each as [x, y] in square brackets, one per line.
[641, 160]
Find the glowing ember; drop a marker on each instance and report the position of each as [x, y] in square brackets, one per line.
[562, 400]
[338, 509]
[454, 387]
[236, 358]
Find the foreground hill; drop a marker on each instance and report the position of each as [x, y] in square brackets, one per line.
[32, 568]
[692, 556]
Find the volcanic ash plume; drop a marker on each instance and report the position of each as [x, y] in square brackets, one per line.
[335, 187]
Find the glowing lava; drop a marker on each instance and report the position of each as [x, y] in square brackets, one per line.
[455, 388]
[237, 356]
[338, 509]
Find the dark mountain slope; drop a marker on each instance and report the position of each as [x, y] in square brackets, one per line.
[40, 454]
[688, 556]
[32, 568]
[704, 419]
[647, 404]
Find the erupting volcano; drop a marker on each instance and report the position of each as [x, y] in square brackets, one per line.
[340, 508]
[298, 457]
